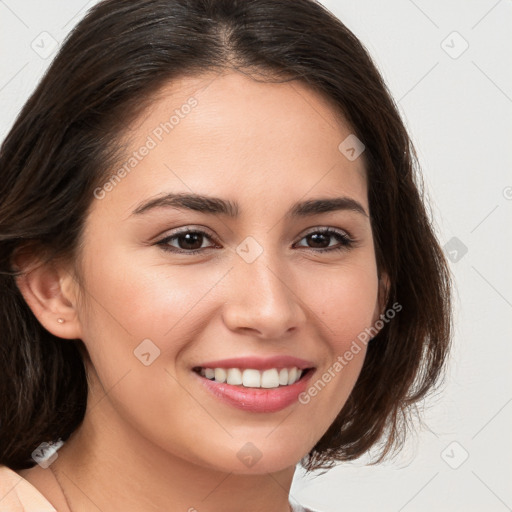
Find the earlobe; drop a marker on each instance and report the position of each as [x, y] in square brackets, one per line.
[45, 290]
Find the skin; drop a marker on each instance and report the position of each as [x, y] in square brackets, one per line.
[152, 435]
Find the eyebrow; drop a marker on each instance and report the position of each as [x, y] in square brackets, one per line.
[217, 206]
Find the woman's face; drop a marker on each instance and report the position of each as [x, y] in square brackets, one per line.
[259, 287]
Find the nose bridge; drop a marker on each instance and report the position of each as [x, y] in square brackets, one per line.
[261, 291]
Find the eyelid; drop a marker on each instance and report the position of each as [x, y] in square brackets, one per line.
[195, 228]
[326, 229]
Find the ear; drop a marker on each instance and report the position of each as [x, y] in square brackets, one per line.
[383, 296]
[384, 286]
[51, 292]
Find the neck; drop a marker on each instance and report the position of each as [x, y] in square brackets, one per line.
[106, 465]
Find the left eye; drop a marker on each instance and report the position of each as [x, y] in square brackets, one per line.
[323, 236]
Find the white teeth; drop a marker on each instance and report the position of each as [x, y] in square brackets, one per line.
[292, 375]
[220, 375]
[250, 378]
[234, 377]
[270, 379]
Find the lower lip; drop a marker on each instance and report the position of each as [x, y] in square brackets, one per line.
[257, 399]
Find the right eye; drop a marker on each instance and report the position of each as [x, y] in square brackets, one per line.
[186, 241]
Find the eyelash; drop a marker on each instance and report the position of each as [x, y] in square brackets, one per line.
[345, 241]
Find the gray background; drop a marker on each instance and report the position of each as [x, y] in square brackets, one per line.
[457, 104]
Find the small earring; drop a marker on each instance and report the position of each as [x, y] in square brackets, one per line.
[60, 320]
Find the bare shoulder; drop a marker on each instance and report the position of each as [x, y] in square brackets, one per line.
[25, 489]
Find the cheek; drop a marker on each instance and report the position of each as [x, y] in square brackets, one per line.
[344, 299]
[133, 299]
[345, 303]
[132, 305]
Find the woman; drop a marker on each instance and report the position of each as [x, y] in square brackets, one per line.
[216, 262]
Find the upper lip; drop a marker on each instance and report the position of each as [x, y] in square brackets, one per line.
[258, 363]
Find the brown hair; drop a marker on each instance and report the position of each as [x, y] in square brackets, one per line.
[67, 137]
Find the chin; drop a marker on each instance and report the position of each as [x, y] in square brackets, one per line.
[257, 457]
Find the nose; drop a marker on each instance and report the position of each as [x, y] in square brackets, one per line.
[263, 299]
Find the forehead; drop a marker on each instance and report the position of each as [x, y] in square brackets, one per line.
[230, 135]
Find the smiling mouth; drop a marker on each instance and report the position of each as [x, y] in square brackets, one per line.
[251, 378]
